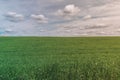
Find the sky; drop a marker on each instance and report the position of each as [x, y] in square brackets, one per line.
[59, 17]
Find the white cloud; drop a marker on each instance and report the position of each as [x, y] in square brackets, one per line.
[87, 17]
[101, 32]
[57, 0]
[8, 30]
[60, 0]
[39, 18]
[13, 16]
[69, 12]
[118, 30]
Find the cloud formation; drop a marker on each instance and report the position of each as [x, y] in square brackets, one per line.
[57, 0]
[71, 17]
[96, 26]
[39, 18]
[13, 16]
[70, 11]
[8, 30]
[87, 17]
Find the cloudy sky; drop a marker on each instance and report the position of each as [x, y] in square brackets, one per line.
[59, 17]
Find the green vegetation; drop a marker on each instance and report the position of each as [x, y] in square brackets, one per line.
[60, 58]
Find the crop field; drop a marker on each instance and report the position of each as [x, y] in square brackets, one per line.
[59, 58]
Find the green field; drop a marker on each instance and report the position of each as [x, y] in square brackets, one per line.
[59, 58]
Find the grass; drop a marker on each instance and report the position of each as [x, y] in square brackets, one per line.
[59, 58]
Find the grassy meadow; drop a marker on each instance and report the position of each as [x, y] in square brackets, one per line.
[59, 58]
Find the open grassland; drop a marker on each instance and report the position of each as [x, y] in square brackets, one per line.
[59, 58]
